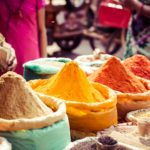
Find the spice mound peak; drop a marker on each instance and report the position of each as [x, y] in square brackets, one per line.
[139, 65]
[18, 99]
[70, 84]
[115, 75]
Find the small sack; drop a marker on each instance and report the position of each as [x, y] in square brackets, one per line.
[113, 14]
[43, 67]
[127, 102]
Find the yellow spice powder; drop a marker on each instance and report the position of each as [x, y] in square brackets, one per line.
[71, 84]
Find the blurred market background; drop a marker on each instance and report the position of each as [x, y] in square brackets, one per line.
[74, 28]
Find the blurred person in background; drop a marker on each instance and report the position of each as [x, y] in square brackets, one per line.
[8, 60]
[138, 34]
[22, 22]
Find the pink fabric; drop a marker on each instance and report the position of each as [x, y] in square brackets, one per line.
[22, 33]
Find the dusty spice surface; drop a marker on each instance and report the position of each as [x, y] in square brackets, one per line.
[17, 99]
[70, 84]
[116, 76]
[139, 65]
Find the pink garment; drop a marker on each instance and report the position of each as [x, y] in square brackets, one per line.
[22, 32]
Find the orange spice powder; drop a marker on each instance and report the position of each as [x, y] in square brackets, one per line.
[116, 76]
[139, 65]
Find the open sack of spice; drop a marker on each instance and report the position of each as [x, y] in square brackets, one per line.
[26, 121]
[99, 143]
[90, 63]
[132, 92]
[43, 67]
[139, 65]
[90, 106]
[136, 135]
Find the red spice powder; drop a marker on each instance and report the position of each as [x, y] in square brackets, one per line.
[116, 76]
[139, 65]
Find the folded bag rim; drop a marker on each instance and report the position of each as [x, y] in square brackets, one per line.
[40, 69]
[38, 122]
[108, 103]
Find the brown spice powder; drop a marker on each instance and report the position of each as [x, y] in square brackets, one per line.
[17, 100]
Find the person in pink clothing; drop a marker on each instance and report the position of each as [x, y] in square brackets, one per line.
[22, 22]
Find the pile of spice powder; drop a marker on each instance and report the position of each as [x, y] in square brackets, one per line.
[114, 74]
[70, 84]
[139, 65]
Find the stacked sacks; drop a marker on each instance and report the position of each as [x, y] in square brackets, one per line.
[90, 106]
[43, 67]
[26, 121]
[132, 93]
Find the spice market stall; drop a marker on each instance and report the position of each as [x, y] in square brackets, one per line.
[70, 103]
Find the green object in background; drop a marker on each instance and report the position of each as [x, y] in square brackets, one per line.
[43, 67]
[54, 137]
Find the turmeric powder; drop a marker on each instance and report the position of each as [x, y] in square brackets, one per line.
[116, 76]
[138, 65]
[71, 84]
